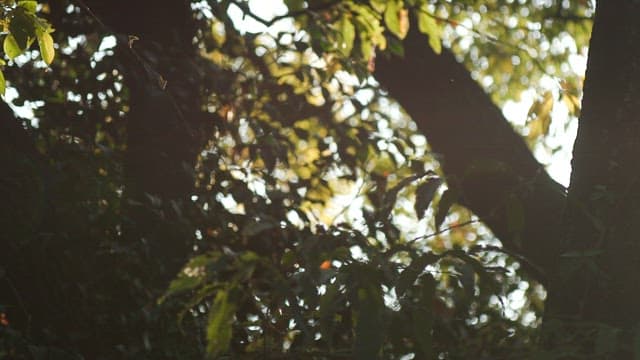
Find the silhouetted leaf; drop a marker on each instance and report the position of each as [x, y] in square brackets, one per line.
[369, 323]
[449, 197]
[409, 275]
[422, 317]
[424, 195]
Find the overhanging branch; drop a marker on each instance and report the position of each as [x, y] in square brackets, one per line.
[482, 154]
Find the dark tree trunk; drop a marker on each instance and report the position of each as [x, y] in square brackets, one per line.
[597, 274]
[165, 122]
[165, 131]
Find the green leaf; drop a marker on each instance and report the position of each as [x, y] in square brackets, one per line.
[396, 47]
[366, 47]
[392, 18]
[3, 84]
[422, 317]
[45, 42]
[294, 5]
[347, 34]
[22, 27]
[181, 284]
[219, 329]
[448, 198]
[327, 311]
[369, 322]
[424, 195]
[255, 227]
[29, 6]
[427, 25]
[11, 47]
[378, 5]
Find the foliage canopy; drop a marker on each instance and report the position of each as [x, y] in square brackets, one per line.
[202, 180]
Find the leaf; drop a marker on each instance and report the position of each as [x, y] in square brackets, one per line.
[3, 84]
[467, 278]
[369, 322]
[348, 35]
[448, 198]
[294, 5]
[422, 317]
[10, 47]
[180, 285]
[327, 311]
[540, 111]
[45, 42]
[424, 195]
[256, 227]
[392, 18]
[391, 195]
[219, 329]
[409, 275]
[378, 5]
[29, 6]
[22, 27]
[403, 18]
[427, 25]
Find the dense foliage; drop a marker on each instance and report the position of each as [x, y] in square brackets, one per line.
[242, 187]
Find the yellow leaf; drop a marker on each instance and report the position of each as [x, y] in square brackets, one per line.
[347, 35]
[11, 47]
[428, 26]
[404, 23]
[45, 41]
[3, 84]
[392, 18]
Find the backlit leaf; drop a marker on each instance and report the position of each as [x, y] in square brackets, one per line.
[10, 47]
[428, 26]
[219, 328]
[3, 84]
[45, 42]
[29, 5]
[378, 5]
[347, 35]
[392, 18]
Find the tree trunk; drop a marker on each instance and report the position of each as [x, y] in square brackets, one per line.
[165, 122]
[595, 280]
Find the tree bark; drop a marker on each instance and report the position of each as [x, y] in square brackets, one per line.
[166, 125]
[596, 277]
[480, 152]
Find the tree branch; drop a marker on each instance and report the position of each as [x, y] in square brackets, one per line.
[481, 154]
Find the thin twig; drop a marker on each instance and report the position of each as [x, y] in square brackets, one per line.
[245, 8]
[441, 231]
